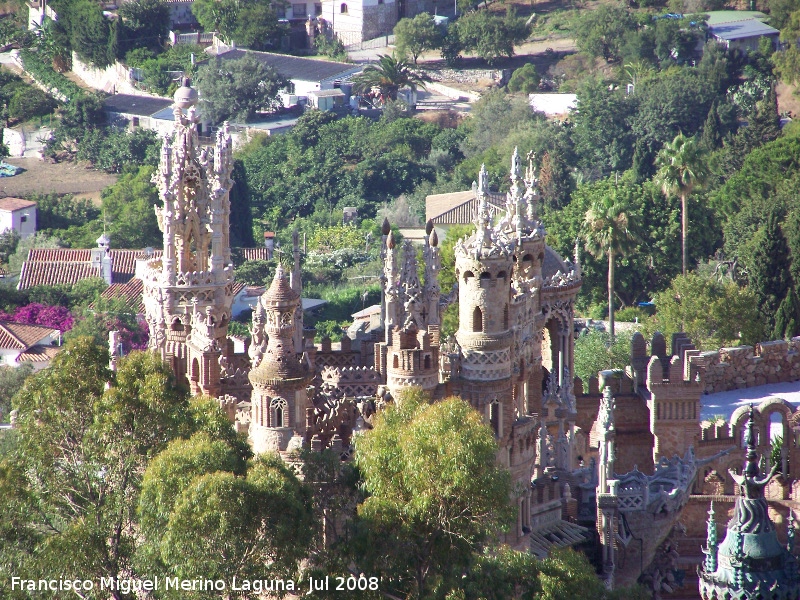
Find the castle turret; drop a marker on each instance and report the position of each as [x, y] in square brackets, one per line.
[279, 400]
[187, 291]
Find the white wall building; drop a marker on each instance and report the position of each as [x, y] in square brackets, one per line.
[19, 215]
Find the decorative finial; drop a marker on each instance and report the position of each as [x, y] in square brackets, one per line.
[483, 181]
[516, 167]
[428, 227]
[386, 229]
[434, 239]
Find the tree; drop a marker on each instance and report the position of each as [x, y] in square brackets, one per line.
[217, 15]
[682, 167]
[388, 77]
[436, 492]
[255, 522]
[29, 102]
[258, 26]
[595, 351]
[600, 33]
[11, 381]
[92, 35]
[525, 79]
[238, 89]
[415, 36]
[670, 102]
[145, 24]
[768, 273]
[490, 36]
[713, 313]
[70, 486]
[602, 134]
[609, 231]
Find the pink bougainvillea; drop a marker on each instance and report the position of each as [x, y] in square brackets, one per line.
[57, 317]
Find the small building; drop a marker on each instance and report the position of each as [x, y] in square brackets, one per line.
[740, 29]
[326, 99]
[305, 74]
[743, 35]
[149, 112]
[22, 343]
[354, 21]
[18, 215]
[553, 105]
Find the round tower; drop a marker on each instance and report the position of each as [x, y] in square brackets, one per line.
[280, 376]
[484, 267]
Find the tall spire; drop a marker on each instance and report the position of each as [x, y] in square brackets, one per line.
[483, 219]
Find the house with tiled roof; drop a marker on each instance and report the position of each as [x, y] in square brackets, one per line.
[55, 266]
[22, 343]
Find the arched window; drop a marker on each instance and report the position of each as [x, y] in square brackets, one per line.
[177, 325]
[343, 8]
[468, 275]
[395, 362]
[505, 317]
[427, 361]
[501, 275]
[477, 319]
[195, 374]
[280, 414]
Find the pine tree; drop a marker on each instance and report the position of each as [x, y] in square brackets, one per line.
[768, 271]
[787, 320]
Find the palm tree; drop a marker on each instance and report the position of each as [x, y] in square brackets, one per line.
[388, 76]
[609, 231]
[681, 169]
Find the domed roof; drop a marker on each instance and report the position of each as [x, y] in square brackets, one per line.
[552, 263]
[186, 95]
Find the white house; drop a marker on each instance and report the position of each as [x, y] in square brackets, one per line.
[21, 343]
[19, 215]
[305, 74]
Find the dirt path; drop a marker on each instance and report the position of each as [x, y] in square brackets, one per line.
[787, 101]
[42, 177]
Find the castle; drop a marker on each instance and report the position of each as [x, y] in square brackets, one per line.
[624, 455]
[515, 334]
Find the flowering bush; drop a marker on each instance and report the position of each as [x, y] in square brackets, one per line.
[57, 317]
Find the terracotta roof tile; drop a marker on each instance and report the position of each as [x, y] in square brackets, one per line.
[53, 266]
[130, 293]
[39, 354]
[248, 254]
[21, 336]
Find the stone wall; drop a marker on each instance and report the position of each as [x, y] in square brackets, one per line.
[746, 366]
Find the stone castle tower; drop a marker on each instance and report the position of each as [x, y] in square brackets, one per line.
[188, 291]
[409, 356]
[280, 374]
